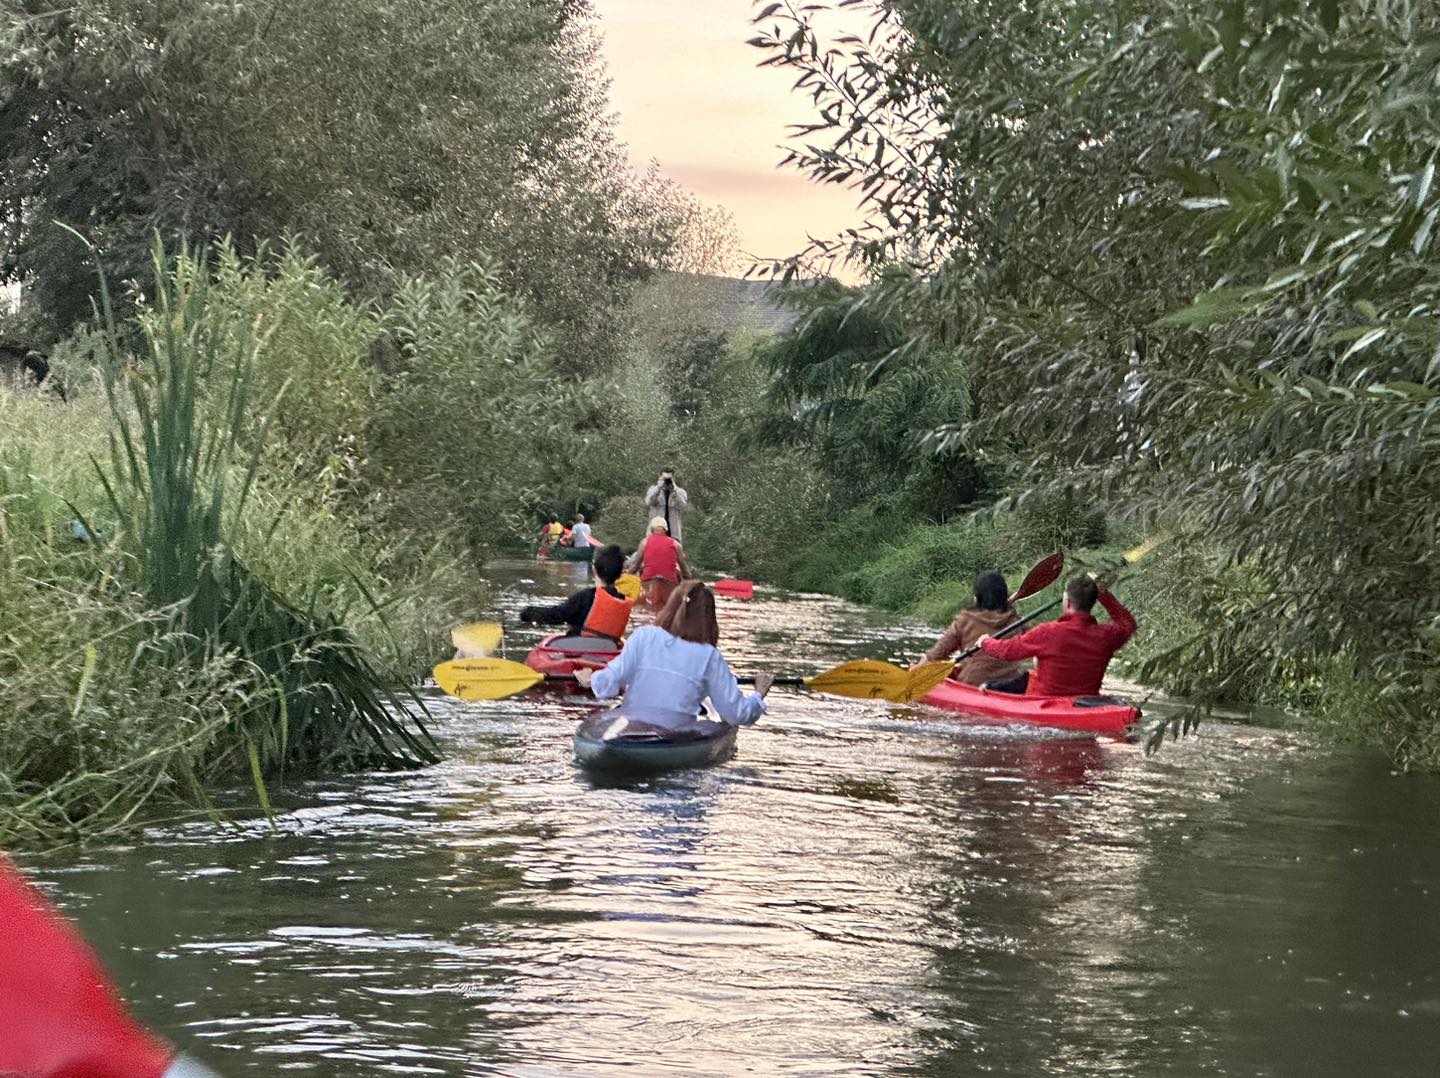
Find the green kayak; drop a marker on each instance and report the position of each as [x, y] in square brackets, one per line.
[565, 553]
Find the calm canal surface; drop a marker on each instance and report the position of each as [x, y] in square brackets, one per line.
[864, 889]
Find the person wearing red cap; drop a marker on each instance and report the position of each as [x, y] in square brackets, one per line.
[60, 1017]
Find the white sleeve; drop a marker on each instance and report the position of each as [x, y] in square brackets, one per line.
[735, 707]
[619, 672]
[650, 496]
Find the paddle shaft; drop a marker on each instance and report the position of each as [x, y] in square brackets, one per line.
[1130, 559]
[1026, 620]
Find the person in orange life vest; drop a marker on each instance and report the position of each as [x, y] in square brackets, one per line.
[1071, 653]
[660, 561]
[59, 1015]
[599, 611]
[991, 613]
[552, 532]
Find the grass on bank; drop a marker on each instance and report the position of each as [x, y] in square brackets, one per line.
[228, 625]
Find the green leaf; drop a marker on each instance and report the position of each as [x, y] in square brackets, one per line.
[1209, 308]
[1420, 184]
[1422, 235]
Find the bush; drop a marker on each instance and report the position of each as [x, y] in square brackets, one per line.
[473, 425]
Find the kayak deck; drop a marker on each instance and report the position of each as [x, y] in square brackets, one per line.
[616, 742]
[1093, 714]
[559, 656]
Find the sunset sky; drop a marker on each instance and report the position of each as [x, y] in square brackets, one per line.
[689, 95]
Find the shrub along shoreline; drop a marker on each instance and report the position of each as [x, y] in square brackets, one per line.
[189, 602]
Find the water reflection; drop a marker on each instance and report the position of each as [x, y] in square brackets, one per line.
[864, 889]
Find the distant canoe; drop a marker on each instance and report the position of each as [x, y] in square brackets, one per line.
[565, 553]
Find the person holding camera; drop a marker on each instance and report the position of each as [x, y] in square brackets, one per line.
[664, 499]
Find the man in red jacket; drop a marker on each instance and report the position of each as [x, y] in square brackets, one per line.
[1072, 652]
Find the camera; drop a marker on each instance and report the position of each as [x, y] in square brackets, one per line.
[669, 481]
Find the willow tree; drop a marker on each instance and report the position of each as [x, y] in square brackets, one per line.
[388, 133]
[1188, 249]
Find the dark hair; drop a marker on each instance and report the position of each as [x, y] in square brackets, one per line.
[689, 613]
[608, 562]
[1082, 593]
[991, 592]
[554, 518]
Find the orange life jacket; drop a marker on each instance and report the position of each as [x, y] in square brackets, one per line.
[608, 616]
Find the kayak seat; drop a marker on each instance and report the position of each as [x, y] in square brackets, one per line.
[1097, 701]
[583, 643]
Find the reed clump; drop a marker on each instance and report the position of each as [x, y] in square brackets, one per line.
[143, 655]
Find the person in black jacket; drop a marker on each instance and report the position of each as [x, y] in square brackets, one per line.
[574, 612]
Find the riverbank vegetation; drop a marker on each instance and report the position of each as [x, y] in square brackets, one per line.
[1159, 269]
[1188, 252]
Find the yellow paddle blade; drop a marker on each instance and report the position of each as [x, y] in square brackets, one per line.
[864, 679]
[629, 586]
[485, 679]
[1135, 554]
[925, 677]
[476, 640]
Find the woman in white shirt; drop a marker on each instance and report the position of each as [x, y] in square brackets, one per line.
[668, 669]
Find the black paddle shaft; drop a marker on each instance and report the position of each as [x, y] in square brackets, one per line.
[783, 682]
[1026, 620]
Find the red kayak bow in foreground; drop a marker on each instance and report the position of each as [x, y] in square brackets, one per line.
[60, 1017]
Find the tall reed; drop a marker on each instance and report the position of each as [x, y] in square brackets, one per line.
[183, 460]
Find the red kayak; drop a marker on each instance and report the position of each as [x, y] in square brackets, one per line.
[60, 1016]
[559, 656]
[1093, 714]
[735, 589]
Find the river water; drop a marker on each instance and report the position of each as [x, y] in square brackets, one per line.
[864, 889]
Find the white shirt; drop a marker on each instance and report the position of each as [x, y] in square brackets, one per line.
[580, 534]
[661, 673]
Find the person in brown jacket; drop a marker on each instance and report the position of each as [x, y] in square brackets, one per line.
[991, 613]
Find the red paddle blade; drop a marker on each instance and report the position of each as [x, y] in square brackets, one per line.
[1041, 575]
[61, 1015]
[735, 589]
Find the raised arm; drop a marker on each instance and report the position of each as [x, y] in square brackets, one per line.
[947, 645]
[573, 611]
[685, 573]
[1123, 624]
[1025, 646]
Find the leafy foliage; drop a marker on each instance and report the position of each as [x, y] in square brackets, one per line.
[473, 423]
[836, 392]
[388, 133]
[1201, 238]
[175, 481]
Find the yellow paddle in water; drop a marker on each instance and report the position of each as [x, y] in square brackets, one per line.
[477, 640]
[864, 679]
